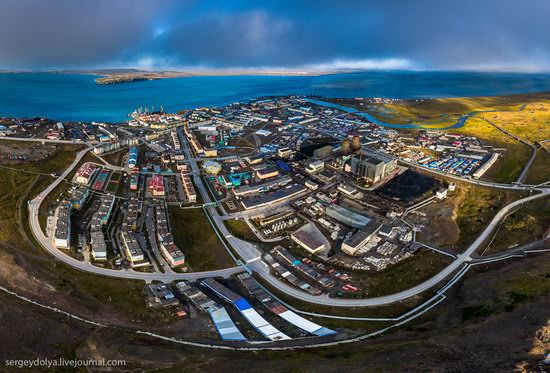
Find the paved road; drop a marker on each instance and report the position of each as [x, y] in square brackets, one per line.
[30, 139]
[251, 254]
[48, 245]
[540, 245]
[489, 184]
[263, 270]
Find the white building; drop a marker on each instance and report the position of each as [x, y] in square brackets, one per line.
[99, 247]
[441, 193]
[315, 166]
[62, 235]
[132, 249]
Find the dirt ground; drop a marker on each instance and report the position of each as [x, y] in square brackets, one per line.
[495, 319]
[444, 340]
[11, 153]
[457, 220]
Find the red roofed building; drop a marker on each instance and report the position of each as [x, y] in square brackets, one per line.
[85, 173]
[156, 186]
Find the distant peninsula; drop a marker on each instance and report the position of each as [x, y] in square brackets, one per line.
[128, 76]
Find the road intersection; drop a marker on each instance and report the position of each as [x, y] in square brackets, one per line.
[251, 255]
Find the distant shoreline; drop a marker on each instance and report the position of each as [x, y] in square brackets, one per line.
[118, 76]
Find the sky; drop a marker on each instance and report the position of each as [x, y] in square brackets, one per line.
[480, 35]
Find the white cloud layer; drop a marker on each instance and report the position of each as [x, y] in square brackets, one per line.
[363, 64]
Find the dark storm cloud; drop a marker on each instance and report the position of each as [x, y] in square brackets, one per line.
[483, 35]
[72, 33]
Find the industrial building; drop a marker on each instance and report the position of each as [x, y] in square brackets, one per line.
[310, 272]
[285, 152]
[372, 167]
[249, 313]
[315, 167]
[224, 325]
[350, 191]
[308, 240]
[347, 216]
[354, 243]
[280, 310]
[267, 173]
[243, 190]
[311, 185]
[269, 199]
[323, 151]
[288, 276]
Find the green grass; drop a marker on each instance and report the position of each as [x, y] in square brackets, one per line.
[475, 211]
[477, 311]
[14, 183]
[508, 168]
[406, 274]
[390, 310]
[240, 229]
[112, 187]
[446, 110]
[530, 124]
[56, 163]
[115, 176]
[540, 169]
[116, 158]
[97, 291]
[525, 225]
[525, 286]
[195, 237]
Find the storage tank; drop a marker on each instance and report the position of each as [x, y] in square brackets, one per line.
[356, 143]
[346, 146]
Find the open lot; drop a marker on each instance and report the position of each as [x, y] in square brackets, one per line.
[194, 236]
[540, 169]
[403, 275]
[455, 222]
[527, 224]
[240, 229]
[115, 158]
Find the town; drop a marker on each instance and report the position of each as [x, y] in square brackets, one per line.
[321, 194]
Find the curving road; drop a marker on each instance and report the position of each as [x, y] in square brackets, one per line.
[47, 244]
[261, 268]
[251, 254]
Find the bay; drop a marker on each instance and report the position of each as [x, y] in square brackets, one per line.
[72, 97]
